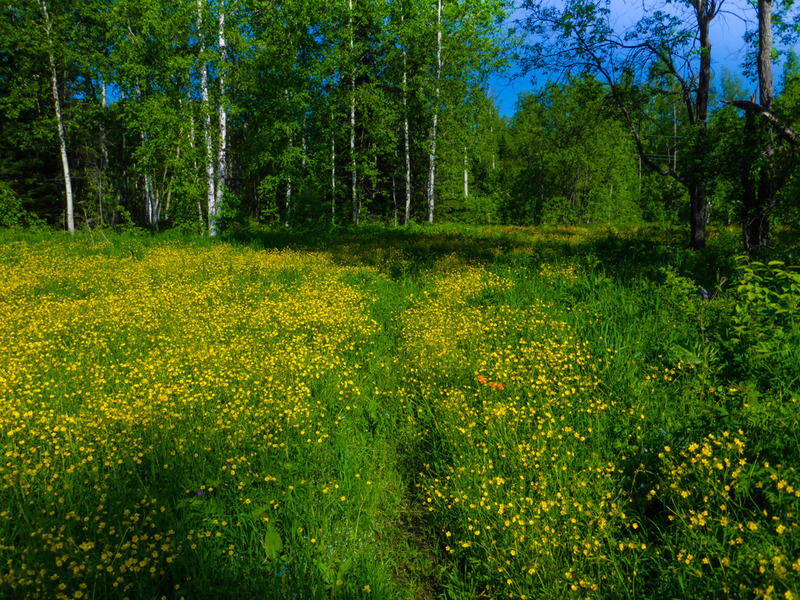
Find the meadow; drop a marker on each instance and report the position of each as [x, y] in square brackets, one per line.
[443, 412]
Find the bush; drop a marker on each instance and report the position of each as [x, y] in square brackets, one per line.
[11, 211]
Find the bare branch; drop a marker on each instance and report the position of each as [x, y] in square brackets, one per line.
[785, 131]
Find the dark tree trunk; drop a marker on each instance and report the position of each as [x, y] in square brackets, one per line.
[705, 12]
[697, 217]
[758, 199]
[765, 54]
[751, 224]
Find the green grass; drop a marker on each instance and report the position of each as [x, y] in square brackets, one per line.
[398, 413]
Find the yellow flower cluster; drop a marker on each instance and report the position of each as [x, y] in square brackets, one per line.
[710, 486]
[130, 385]
[522, 489]
[524, 486]
[165, 408]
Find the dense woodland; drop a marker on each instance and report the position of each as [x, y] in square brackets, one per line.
[211, 115]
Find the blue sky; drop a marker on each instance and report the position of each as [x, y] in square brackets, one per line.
[727, 46]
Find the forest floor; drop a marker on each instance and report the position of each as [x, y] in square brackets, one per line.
[445, 412]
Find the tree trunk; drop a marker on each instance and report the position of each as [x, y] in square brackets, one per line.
[491, 131]
[62, 138]
[103, 150]
[210, 182]
[466, 175]
[752, 225]
[151, 208]
[432, 165]
[333, 173]
[195, 172]
[222, 154]
[353, 117]
[394, 196]
[759, 198]
[697, 187]
[765, 54]
[289, 180]
[407, 212]
[697, 217]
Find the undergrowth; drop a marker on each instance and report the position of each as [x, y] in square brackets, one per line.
[435, 412]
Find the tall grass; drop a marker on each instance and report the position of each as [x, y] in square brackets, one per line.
[444, 412]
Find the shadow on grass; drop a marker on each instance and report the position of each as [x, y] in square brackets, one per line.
[625, 255]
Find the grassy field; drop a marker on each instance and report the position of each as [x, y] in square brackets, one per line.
[379, 413]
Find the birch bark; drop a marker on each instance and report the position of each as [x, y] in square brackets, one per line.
[222, 156]
[466, 175]
[333, 175]
[151, 208]
[62, 138]
[103, 148]
[432, 165]
[353, 117]
[407, 213]
[194, 155]
[210, 182]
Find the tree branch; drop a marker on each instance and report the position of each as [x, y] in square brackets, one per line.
[785, 131]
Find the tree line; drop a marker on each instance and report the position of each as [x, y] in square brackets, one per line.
[211, 112]
[205, 115]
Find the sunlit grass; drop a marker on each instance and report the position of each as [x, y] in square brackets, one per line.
[542, 414]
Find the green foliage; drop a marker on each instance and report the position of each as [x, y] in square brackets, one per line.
[767, 308]
[11, 210]
[480, 209]
[568, 159]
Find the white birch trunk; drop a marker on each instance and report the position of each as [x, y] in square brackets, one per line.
[303, 147]
[407, 213]
[674, 137]
[288, 196]
[491, 131]
[192, 147]
[333, 174]
[353, 116]
[210, 183]
[394, 195]
[103, 148]
[150, 201]
[432, 165]
[290, 135]
[62, 138]
[466, 175]
[222, 155]
[289, 181]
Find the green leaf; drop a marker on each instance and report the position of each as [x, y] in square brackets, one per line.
[326, 572]
[344, 568]
[257, 512]
[273, 545]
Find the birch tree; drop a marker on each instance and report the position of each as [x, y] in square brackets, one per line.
[222, 167]
[372, 88]
[62, 138]
[406, 144]
[211, 195]
[353, 161]
[432, 156]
